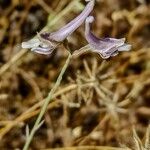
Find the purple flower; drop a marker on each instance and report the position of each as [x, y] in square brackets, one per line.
[106, 47]
[39, 45]
[47, 42]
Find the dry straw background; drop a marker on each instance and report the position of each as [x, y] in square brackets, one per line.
[100, 105]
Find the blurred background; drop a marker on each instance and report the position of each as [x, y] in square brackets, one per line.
[98, 102]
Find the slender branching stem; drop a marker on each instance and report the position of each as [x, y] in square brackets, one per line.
[38, 122]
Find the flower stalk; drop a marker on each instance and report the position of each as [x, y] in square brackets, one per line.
[44, 107]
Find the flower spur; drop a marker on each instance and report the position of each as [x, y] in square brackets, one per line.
[105, 47]
[46, 42]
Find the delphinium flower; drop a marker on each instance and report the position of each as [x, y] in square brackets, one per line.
[105, 47]
[46, 42]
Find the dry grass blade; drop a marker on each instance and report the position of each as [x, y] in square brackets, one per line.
[98, 101]
[88, 148]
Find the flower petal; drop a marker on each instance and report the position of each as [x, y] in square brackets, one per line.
[69, 28]
[41, 50]
[125, 47]
[31, 43]
[106, 47]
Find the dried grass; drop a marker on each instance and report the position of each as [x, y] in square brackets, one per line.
[98, 101]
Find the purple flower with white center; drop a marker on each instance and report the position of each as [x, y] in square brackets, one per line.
[106, 47]
[47, 42]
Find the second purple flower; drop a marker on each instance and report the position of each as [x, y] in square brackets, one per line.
[105, 47]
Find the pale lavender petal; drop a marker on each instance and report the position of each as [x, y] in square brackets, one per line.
[41, 50]
[114, 40]
[31, 43]
[69, 28]
[106, 55]
[99, 43]
[106, 47]
[125, 47]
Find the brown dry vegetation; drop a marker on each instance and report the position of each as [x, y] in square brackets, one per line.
[98, 102]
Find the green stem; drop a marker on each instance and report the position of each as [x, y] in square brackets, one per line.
[44, 107]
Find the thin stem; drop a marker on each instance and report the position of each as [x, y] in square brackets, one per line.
[47, 100]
